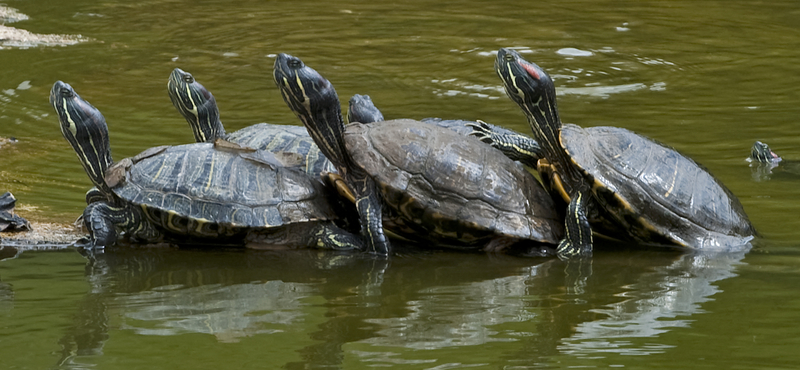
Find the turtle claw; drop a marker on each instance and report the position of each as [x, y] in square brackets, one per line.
[568, 251]
[482, 131]
[88, 249]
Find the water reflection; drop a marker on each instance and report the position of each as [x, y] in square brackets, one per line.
[784, 170]
[225, 312]
[356, 308]
[662, 299]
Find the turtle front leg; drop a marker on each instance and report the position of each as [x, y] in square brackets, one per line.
[578, 240]
[367, 199]
[517, 147]
[102, 220]
[101, 229]
[369, 206]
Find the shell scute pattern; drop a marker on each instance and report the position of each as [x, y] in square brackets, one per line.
[223, 188]
[660, 187]
[479, 195]
[277, 138]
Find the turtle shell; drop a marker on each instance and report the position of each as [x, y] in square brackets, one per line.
[656, 193]
[450, 188]
[198, 190]
[284, 138]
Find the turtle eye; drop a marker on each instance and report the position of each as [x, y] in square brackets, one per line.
[188, 78]
[295, 63]
[509, 58]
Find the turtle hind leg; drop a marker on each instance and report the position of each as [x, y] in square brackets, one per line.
[499, 244]
[330, 236]
[578, 239]
[320, 235]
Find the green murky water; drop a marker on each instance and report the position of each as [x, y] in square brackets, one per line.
[708, 78]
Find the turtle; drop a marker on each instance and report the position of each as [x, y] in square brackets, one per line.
[421, 181]
[761, 153]
[199, 107]
[213, 192]
[629, 186]
[765, 163]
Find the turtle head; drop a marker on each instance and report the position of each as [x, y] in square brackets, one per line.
[533, 90]
[527, 84]
[315, 102]
[363, 110]
[197, 106]
[761, 153]
[85, 128]
[305, 90]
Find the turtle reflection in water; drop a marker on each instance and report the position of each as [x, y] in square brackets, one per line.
[765, 164]
[214, 192]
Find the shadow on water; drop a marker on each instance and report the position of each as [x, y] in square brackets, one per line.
[383, 312]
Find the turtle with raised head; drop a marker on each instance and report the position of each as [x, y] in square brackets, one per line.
[421, 181]
[627, 185]
[212, 192]
[199, 107]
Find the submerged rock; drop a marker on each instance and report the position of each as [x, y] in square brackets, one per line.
[9, 221]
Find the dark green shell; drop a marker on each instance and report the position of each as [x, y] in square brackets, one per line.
[292, 139]
[478, 193]
[655, 192]
[198, 190]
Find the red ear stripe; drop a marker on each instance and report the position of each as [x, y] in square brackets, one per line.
[531, 70]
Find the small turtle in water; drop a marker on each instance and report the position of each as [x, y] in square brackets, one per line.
[214, 192]
[629, 186]
[419, 180]
[766, 164]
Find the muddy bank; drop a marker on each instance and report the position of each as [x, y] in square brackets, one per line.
[42, 233]
[43, 237]
[11, 15]
[19, 38]
[14, 37]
